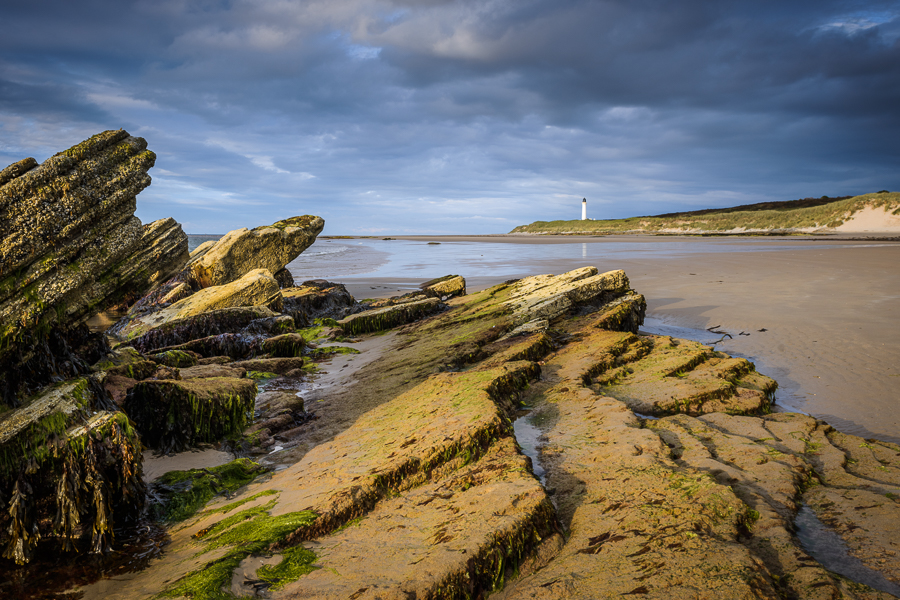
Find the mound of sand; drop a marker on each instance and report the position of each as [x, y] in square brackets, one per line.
[871, 218]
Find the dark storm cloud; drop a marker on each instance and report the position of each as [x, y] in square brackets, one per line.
[462, 116]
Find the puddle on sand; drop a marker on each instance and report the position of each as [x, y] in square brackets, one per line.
[829, 549]
[528, 435]
[52, 574]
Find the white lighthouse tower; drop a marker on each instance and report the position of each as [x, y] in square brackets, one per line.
[584, 209]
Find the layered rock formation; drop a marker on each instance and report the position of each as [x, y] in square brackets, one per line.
[72, 246]
[269, 247]
[415, 467]
[235, 271]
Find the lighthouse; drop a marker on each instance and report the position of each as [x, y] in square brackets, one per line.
[584, 209]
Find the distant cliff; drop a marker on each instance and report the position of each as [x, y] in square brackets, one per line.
[870, 212]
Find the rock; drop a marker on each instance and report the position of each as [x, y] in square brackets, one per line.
[215, 360]
[288, 345]
[658, 375]
[284, 278]
[278, 402]
[443, 287]
[70, 240]
[270, 365]
[550, 296]
[388, 317]
[315, 299]
[270, 247]
[63, 456]
[214, 322]
[175, 415]
[202, 371]
[235, 346]
[200, 250]
[175, 358]
[126, 362]
[256, 288]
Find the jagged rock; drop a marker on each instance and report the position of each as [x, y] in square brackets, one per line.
[443, 287]
[315, 299]
[200, 250]
[389, 316]
[549, 296]
[59, 446]
[256, 288]
[214, 322]
[175, 415]
[71, 245]
[270, 247]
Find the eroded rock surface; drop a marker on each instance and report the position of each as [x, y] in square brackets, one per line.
[270, 247]
[410, 482]
[71, 245]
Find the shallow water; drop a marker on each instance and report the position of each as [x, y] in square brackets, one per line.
[829, 549]
[528, 435]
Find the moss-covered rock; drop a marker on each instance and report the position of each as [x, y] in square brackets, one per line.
[289, 345]
[175, 358]
[214, 322]
[175, 415]
[316, 299]
[388, 317]
[180, 494]
[256, 288]
[203, 371]
[272, 365]
[71, 481]
[69, 228]
[443, 287]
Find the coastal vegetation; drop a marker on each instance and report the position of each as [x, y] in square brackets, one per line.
[768, 217]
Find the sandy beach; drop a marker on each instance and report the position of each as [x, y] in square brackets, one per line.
[829, 307]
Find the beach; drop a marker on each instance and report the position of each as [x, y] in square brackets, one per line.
[829, 307]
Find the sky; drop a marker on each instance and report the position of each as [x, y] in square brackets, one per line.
[438, 117]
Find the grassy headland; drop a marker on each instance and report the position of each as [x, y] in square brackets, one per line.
[807, 214]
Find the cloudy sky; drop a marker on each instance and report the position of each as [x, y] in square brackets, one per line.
[433, 116]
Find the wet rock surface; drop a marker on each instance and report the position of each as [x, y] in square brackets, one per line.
[405, 479]
[388, 317]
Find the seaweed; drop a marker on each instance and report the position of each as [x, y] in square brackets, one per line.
[178, 495]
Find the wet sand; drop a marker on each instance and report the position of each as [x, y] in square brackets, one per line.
[831, 314]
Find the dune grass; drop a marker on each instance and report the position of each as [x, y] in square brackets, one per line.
[769, 216]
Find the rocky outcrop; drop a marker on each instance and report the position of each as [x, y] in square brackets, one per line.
[380, 319]
[68, 468]
[255, 289]
[71, 244]
[233, 257]
[445, 287]
[316, 299]
[270, 247]
[175, 415]
[412, 465]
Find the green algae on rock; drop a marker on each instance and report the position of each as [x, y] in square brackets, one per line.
[390, 316]
[175, 415]
[183, 493]
[71, 247]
